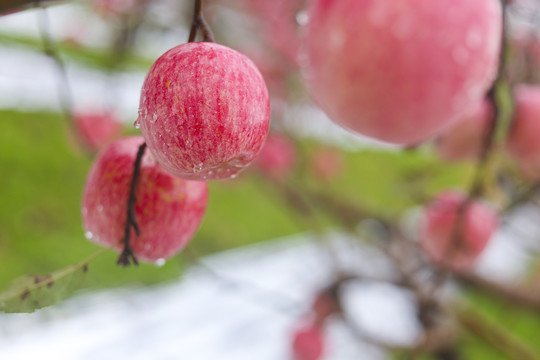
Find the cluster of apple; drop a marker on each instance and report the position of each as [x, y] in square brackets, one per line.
[204, 114]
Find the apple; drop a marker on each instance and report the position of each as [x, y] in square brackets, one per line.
[464, 139]
[113, 8]
[456, 243]
[324, 304]
[522, 142]
[327, 163]
[400, 71]
[97, 129]
[308, 342]
[204, 111]
[168, 209]
[277, 157]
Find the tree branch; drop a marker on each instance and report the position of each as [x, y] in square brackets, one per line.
[12, 6]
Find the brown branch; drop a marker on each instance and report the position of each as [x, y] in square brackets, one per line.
[518, 296]
[127, 255]
[199, 23]
[495, 335]
[12, 6]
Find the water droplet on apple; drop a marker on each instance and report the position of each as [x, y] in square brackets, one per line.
[160, 262]
[302, 18]
[198, 168]
[88, 235]
[137, 124]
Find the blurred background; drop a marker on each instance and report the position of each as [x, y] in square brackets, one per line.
[248, 278]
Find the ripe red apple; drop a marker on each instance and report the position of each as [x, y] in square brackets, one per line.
[523, 141]
[464, 139]
[97, 129]
[453, 247]
[277, 157]
[399, 71]
[168, 209]
[204, 111]
[308, 343]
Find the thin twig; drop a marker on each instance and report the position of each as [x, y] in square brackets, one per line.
[199, 23]
[127, 255]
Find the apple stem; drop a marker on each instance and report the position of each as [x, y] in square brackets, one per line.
[199, 23]
[127, 256]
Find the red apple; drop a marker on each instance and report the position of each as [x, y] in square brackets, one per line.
[400, 71]
[523, 141]
[278, 156]
[168, 209]
[204, 111]
[308, 343]
[464, 138]
[452, 243]
[97, 129]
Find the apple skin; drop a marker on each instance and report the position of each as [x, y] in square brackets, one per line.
[168, 209]
[522, 142]
[400, 71]
[204, 111]
[478, 224]
[463, 140]
[277, 157]
[97, 129]
[308, 343]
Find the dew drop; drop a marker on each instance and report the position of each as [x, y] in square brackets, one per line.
[302, 18]
[233, 176]
[198, 168]
[88, 235]
[137, 124]
[160, 262]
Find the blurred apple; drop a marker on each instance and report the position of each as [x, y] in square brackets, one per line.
[277, 157]
[97, 129]
[464, 139]
[400, 71]
[453, 235]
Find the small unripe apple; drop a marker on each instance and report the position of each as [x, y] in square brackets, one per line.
[400, 71]
[523, 137]
[168, 209]
[204, 111]
[278, 156]
[464, 139]
[97, 129]
[308, 343]
[455, 237]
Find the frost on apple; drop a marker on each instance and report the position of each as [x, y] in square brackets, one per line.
[454, 234]
[168, 209]
[400, 71]
[204, 111]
